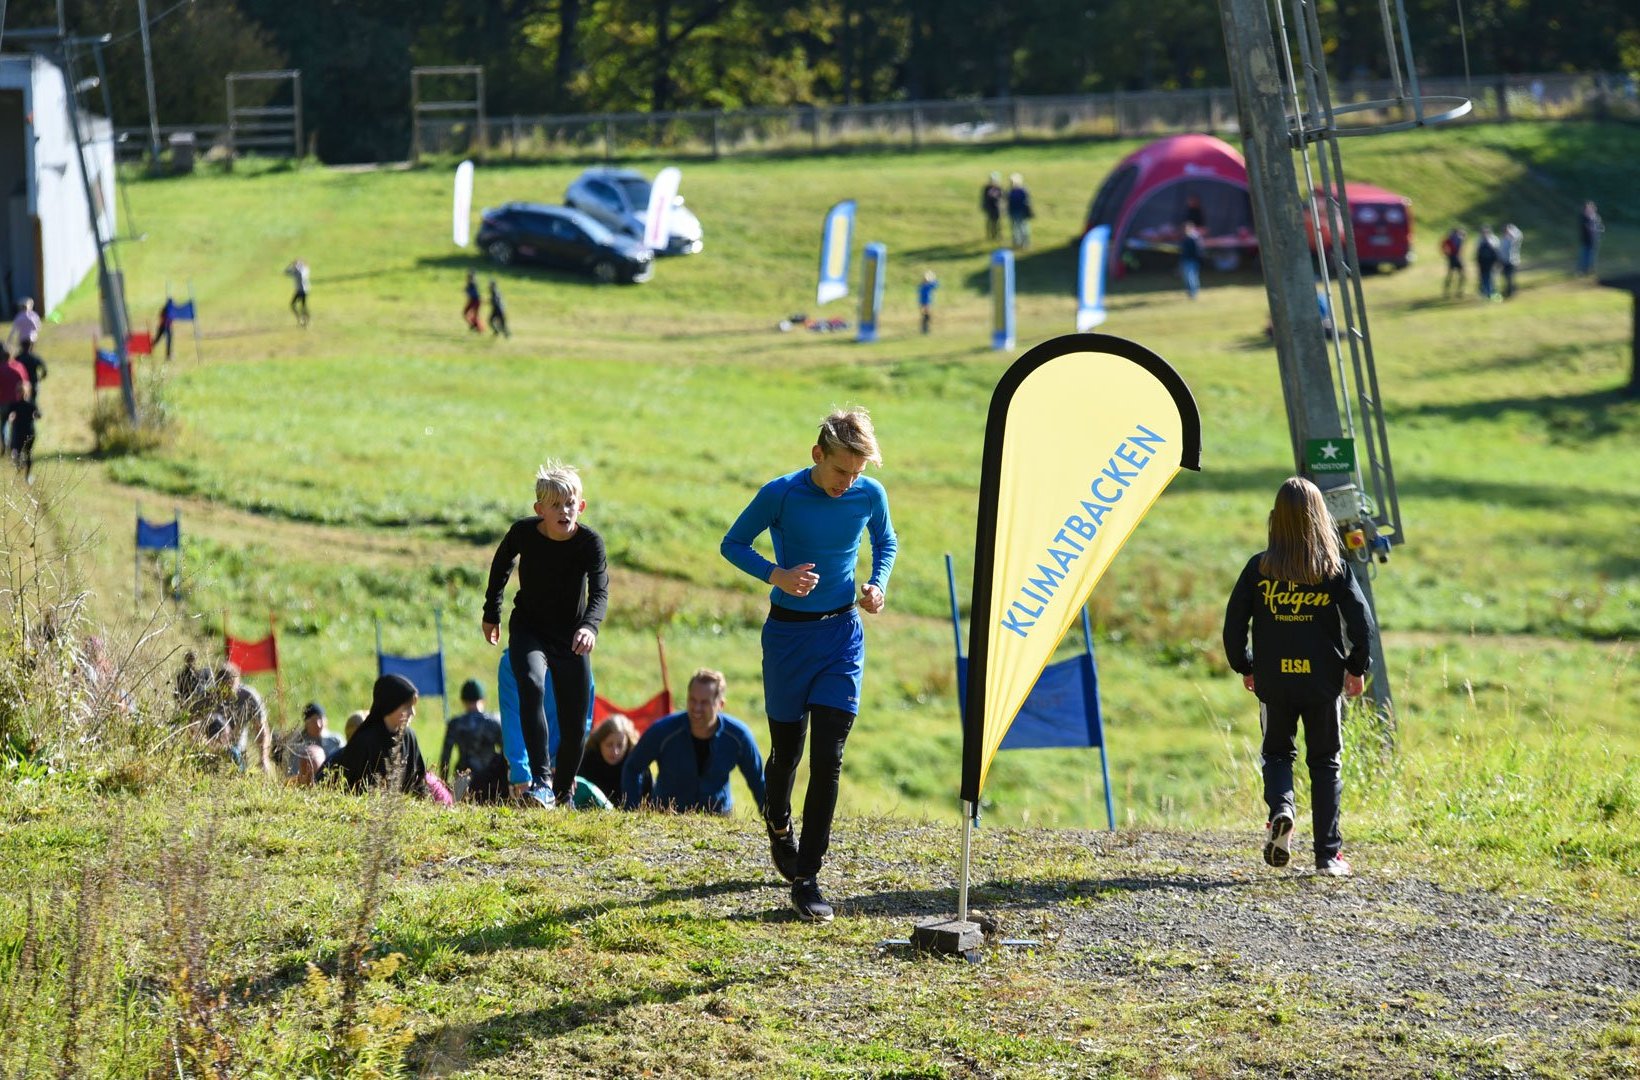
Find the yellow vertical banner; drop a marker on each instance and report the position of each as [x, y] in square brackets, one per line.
[1084, 433]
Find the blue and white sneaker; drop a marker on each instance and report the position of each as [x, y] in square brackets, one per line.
[540, 795]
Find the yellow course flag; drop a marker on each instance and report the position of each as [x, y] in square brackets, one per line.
[1084, 433]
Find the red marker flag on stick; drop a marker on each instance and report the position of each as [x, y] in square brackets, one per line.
[253, 656]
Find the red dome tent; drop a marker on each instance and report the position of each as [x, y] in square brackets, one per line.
[1144, 198]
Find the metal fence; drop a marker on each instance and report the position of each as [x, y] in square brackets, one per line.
[911, 125]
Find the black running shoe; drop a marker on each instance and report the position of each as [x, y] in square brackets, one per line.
[783, 847]
[807, 901]
[1278, 847]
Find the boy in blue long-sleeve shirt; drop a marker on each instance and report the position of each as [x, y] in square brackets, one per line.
[813, 641]
[696, 751]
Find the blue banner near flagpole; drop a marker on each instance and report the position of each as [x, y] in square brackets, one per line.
[836, 247]
[1090, 279]
[1002, 299]
[873, 275]
[426, 672]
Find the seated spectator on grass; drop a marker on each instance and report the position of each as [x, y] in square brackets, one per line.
[354, 719]
[309, 759]
[475, 733]
[384, 749]
[695, 752]
[312, 733]
[236, 711]
[607, 749]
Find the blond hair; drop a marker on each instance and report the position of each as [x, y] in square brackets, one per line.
[850, 430]
[714, 679]
[1303, 544]
[556, 478]
[608, 728]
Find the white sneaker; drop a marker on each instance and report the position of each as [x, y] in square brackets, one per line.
[1336, 866]
[1278, 849]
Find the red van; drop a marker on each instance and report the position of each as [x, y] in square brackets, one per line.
[1383, 227]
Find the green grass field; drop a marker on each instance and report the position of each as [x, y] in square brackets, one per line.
[365, 467]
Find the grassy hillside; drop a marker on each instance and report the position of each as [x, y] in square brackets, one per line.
[364, 468]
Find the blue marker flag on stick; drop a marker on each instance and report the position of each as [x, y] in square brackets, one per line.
[836, 245]
[152, 537]
[427, 672]
[181, 312]
[1090, 279]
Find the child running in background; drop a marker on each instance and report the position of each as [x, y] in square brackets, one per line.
[498, 311]
[20, 416]
[925, 299]
[473, 306]
[1300, 598]
[298, 271]
[563, 593]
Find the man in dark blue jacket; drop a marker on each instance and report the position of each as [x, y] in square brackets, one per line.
[696, 750]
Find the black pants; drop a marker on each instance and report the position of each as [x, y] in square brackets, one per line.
[1508, 280]
[498, 322]
[1323, 721]
[298, 305]
[831, 728]
[532, 656]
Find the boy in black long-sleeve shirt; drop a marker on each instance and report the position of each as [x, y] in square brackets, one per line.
[563, 593]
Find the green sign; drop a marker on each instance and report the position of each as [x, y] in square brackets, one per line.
[1329, 455]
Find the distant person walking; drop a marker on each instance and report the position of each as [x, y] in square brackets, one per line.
[498, 311]
[1019, 212]
[20, 416]
[1452, 248]
[298, 271]
[1190, 259]
[35, 366]
[1300, 599]
[13, 383]
[1486, 263]
[473, 306]
[1589, 228]
[1509, 257]
[925, 299]
[25, 328]
[990, 203]
[163, 328]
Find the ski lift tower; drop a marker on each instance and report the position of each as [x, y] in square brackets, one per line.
[1284, 98]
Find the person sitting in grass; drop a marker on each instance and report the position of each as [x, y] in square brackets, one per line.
[312, 735]
[695, 752]
[473, 735]
[384, 750]
[563, 593]
[236, 711]
[608, 747]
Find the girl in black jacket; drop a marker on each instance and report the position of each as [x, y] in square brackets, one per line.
[1300, 598]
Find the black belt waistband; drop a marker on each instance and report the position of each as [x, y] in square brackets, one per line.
[784, 614]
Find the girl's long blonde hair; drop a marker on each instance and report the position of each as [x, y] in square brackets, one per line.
[1303, 543]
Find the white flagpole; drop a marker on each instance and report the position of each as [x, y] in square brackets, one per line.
[967, 839]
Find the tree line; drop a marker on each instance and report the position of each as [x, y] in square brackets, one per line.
[565, 56]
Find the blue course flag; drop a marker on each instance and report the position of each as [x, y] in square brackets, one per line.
[181, 312]
[427, 672]
[836, 246]
[1090, 279]
[152, 537]
[1062, 709]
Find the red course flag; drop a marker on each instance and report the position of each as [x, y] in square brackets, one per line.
[253, 656]
[106, 369]
[139, 344]
[650, 711]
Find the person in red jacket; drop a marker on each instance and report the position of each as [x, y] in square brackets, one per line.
[1300, 599]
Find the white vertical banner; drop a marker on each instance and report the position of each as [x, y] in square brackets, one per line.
[657, 223]
[1090, 279]
[462, 212]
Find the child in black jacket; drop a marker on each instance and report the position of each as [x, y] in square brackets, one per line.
[1300, 597]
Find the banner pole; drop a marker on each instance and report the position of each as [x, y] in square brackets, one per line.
[443, 685]
[967, 844]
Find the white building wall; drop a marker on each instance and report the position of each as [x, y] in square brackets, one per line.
[68, 247]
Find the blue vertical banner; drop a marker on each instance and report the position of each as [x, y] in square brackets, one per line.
[1090, 279]
[1002, 299]
[836, 245]
[873, 275]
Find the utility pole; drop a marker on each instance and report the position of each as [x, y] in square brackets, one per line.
[148, 74]
[1256, 73]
